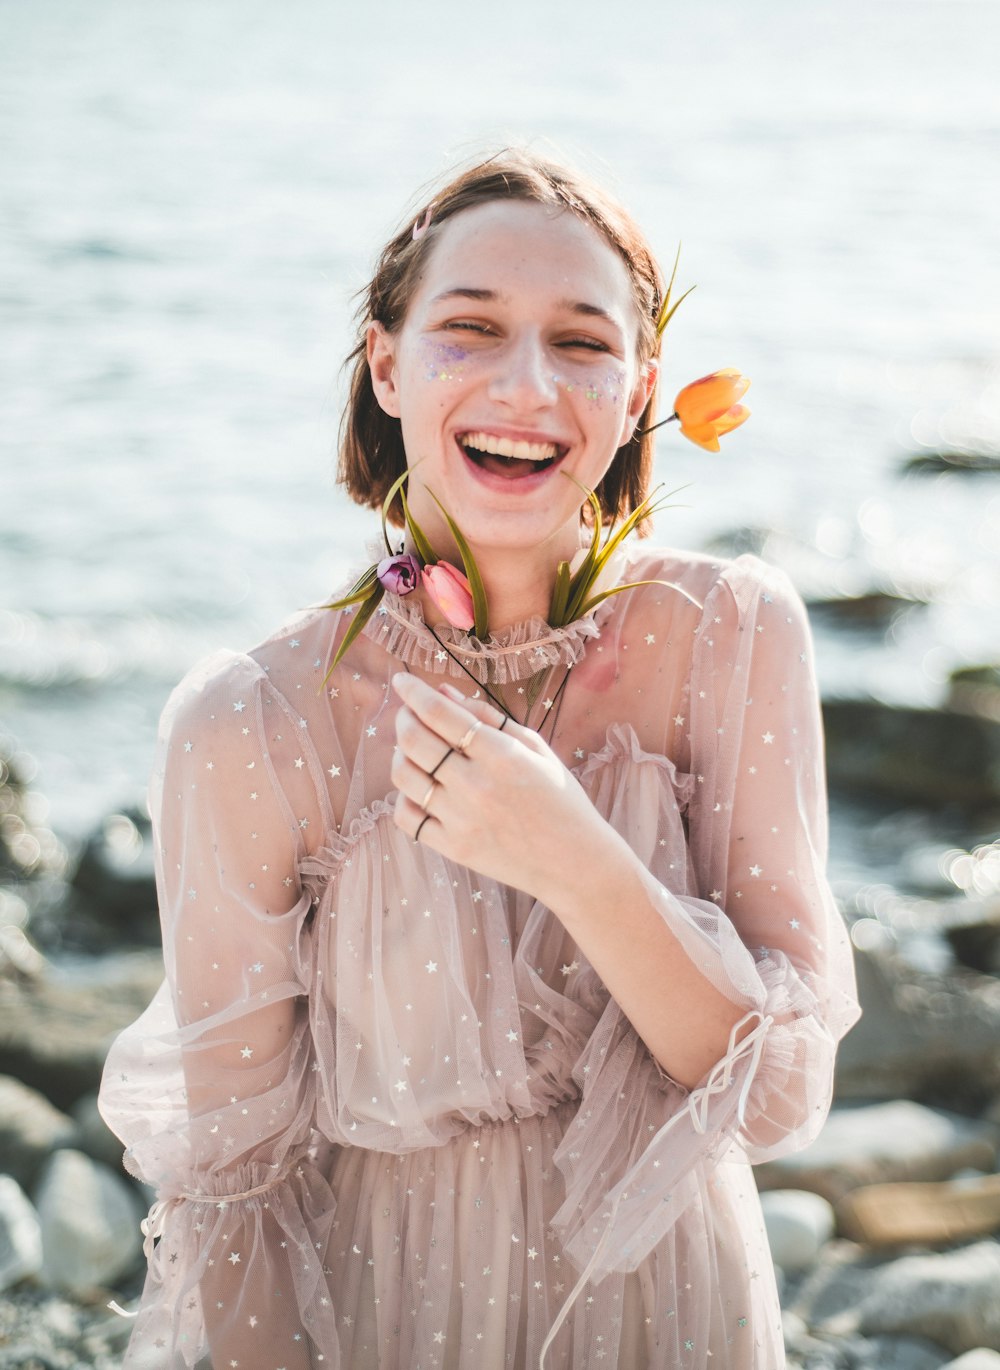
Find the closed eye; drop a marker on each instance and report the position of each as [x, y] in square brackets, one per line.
[589, 344]
[467, 326]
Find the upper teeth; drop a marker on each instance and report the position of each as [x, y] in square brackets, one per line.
[504, 447]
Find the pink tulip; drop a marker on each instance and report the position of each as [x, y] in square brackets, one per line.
[450, 591]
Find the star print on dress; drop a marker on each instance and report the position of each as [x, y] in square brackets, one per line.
[294, 997]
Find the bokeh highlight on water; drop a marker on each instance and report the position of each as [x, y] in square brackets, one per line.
[192, 193]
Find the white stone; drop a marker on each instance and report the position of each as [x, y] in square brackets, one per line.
[951, 1298]
[895, 1140]
[90, 1223]
[799, 1225]
[982, 1358]
[20, 1234]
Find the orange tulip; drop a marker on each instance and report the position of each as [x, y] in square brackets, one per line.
[710, 407]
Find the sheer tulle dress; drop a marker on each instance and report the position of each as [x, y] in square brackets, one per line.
[391, 1114]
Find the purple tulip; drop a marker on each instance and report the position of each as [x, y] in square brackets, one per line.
[400, 574]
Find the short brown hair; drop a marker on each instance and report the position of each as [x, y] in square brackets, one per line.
[371, 441]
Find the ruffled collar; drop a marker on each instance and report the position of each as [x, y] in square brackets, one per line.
[516, 653]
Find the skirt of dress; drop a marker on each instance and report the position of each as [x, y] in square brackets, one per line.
[444, 1259]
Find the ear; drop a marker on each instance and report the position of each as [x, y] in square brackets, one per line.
[382, 365]
[644, 386]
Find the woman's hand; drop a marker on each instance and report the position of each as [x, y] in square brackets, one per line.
[493, 796]
[488, 793]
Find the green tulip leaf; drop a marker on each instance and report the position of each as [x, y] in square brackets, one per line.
[480, 608]
[362, 616]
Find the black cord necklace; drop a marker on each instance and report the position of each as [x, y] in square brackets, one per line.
[551, 712]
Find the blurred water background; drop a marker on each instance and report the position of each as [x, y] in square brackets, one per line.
[191, 193]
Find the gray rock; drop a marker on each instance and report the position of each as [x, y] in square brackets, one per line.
[934, 463]
[90, 1223]
[976, 690]
[949, 1298]
[56, 1031]
[115, 874]
[894, 1353]
[94, 1135]
[799, 1224]
[922, 1034]
[20, 1234]
[837, 1284]
[870, 1143]
[30, 1129]
[931, 756]
[982, 1358]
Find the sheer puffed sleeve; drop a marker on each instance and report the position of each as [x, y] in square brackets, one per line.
[212, 1089]
[735, 853]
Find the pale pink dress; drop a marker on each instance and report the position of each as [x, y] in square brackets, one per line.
[391, 1113]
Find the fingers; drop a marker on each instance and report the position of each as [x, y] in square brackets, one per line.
[436, 733]
[432, 721]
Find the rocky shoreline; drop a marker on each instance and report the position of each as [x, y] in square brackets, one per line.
[884, 1232]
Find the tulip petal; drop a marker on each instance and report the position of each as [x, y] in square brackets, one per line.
[711, 396]
[702, 435]
[731, 419]
[449, 590]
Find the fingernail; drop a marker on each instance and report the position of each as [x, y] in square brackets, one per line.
[401, 682]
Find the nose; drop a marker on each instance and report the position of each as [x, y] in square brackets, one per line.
[523, 379]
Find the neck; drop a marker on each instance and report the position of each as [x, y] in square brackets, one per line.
[518, 580]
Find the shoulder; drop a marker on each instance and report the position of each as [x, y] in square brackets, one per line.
[239, 684]
[215, 692]
[741, 585]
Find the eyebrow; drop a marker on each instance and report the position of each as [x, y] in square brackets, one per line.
[468, 292]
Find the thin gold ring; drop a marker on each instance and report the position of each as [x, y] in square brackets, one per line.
[429, 795]
[470, 735]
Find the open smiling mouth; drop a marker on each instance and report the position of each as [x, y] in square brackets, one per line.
[504, 457]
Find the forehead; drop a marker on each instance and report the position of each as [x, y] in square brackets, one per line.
[512, 246]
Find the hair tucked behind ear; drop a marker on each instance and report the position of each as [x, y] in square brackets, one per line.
[371, 443]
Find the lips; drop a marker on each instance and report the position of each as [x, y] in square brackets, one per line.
[509, 457]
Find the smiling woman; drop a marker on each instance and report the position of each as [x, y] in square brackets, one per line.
[496, 933]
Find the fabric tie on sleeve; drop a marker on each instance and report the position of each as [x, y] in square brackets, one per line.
[633, 1227]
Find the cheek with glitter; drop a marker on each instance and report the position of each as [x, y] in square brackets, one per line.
[596, 389]
[443, 361]
[614, 386]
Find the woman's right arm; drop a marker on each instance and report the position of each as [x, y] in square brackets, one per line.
[212, 1089]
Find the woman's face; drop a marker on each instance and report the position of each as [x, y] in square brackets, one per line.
[516, 363]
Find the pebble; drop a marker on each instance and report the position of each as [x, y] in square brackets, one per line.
[950, 1297]
[799, 1224]
[20, 1234]
[96, 1138]
[90, 1223]
[30, 1130]
[870, 1143]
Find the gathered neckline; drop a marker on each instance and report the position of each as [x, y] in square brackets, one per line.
[515, 653]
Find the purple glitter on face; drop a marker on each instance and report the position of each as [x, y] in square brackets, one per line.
[445, 361]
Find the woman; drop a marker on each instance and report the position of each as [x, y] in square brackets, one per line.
[492, 957]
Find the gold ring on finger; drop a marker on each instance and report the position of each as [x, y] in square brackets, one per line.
[429, 795]
[464, 744]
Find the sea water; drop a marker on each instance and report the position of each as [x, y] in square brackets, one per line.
[191, 194]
